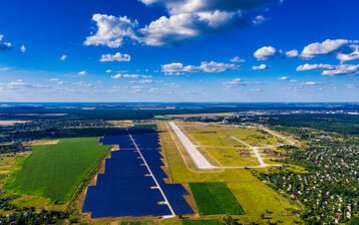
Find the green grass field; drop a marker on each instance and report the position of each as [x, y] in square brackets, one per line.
[217, 135]
[201, 222]
[56, 171]
[215, 198]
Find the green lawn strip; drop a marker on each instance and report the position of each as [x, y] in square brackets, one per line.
[201, 222]
[132, 223]
[56, 171]
[215, 198]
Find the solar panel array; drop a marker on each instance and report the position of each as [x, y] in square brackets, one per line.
[127, 187]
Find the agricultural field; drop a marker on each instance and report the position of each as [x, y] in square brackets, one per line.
[7, 162]
[215, 198]
[260, 203]
[56, 171]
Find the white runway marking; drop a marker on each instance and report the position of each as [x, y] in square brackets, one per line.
[173, 214]
[200, 161]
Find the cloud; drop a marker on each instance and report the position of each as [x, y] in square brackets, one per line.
[326, 47]
[57, 80]
[343, 69]
[354, 55]
[185, 19]
[82, 84]
[284, 78]
[116, 57]
[260, 67]
[331, 70]
[111, 30]
[137, 88]
[306, 67]
[3, 44]
[145, 81]
[177, 68]
[234, 83]
[292, 53]
[19, 84]
[82, 73]
[265, 53]
[184, 6]
[237, 59]
[215, 67]
[108, 71]
[23, 49]
[258, 20]
[54, 79]
[129, 76]
[63, 57]
[189, 19]
[177, 28]
[310, 83]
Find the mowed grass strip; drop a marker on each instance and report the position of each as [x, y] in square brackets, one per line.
[56, 171]
[215, 198]
[201, 222]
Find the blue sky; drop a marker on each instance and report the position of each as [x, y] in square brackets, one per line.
[179, 50]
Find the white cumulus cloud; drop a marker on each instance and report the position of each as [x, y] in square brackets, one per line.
[258, 19]
[237, 59]
[323, 48]
[112, 30]
[22, 48]
[82, 73]
[292, 53]
[4, 44]
[331, 70]
[185, 19]
[118, 57]
[177, 68]
[129, 76]
[342, 69]
[260, 67]
[265, 53]
[354, 55]
[63, 57]
[284, 78]
[306, 67]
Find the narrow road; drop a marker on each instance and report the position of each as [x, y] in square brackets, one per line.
[255, 151]
[199, 160]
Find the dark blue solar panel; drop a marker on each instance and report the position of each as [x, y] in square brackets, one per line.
[126, 189]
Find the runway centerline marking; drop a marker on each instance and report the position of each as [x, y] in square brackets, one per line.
[173, 214]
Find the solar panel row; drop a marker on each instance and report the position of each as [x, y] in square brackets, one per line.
[126, 188]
